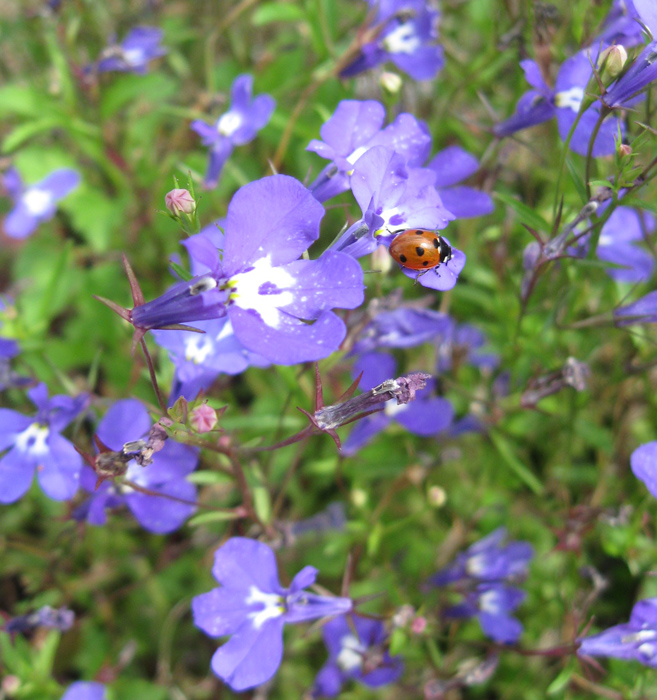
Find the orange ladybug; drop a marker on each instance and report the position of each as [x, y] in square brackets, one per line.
[420, 249]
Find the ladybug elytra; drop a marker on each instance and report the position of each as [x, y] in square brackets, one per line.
[420, 249]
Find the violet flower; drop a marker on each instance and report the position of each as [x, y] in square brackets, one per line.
[426, 416]
[351, 131]
[61, 619]
[394, 198]
[252, 608]
[125, 422]
[487, 560]
[620, 25]
[85, 691]
[644, 465]
[408, 38]
[245, 118]
[33, 444]
[401, 328]
[361, 656]
[542, 104]
[279, 305]
[635, 640]
[491, 604]
[462, 342]
[37, 203]
[637, 78]
[644, 310]
[140, 46]
[201, 357]
[453, 165]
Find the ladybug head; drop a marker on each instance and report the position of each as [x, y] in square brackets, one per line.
[445, 250]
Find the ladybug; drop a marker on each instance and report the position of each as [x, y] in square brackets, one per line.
[420, 249]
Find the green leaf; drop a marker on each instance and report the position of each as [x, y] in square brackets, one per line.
[631, 201]
[262, 503]
[21, 101]
[44, 660]
[398, 641]
[184, 274]
[517, 467]
[214, 517]
[577, 179]
[276, 12]
[561, 681]
[26, 131]
[526, 215]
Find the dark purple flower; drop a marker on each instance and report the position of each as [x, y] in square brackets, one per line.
[34, 444]
[463, 342]
[408, 38]
[38, 202]
[140, 46]
[635, 640]
[564, 102]
[85, 691]
[357, 653]
[246, 116]
[491, 604]
[352, 130]
[426, 416]
[487, 560]
[452, 165]
[620, 25]
[252, 608]
[201, 357]
[401, 328]
[125, 422]
[644, 465]
[644, 310]
[61, 619]
[279, 305]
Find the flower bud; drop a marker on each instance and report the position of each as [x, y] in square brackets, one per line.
[436, 497]
[390, 82]
[611, 62]
[418, 625]
[10, 685]
[203, 418]
[381, 260]
[624, 150]
[179, 202]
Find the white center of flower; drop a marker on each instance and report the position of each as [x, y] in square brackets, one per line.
[226, 332]
[134, 57]
[198, 347]
[350, 657]
[392, 408]
[247, 294]
[229, 123]
[489, 602]
[32, 440]
[274, 606]
[403, 39]
[605, 240]
[570, 99]
[37, 201]
[357, 154]
[647, 650]
[386, 229]
[476, 564]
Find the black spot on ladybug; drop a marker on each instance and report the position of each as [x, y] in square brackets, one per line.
[419, 251]
[403, 258]
[425, 263]
[419, 233]
[436, 243]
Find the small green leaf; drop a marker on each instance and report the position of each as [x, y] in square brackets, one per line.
[517, 467]
[561, 681]
[577, 179]
[26, 131]
[276, 12]
[184, 274]
[262, 503]
[214, 517]
[398, 641]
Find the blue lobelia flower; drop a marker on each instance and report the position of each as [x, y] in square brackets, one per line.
[408, 38]
[246, 116]
[33, 444]
[635, 640]
[644, 465]
[394, 198]
[643, 310]
[401, 328]
[140, 46]
[279, 305]
[491, 604]
[356, 652]
[463, 341]
[37, 203]
[482, 572]
[252, 608]
[125, 422]
[351, 131]
[490, 559]
[59, 619]
[201, 357]
[620, 25]
[563, 102]
[85, 691]
[453, 165]
[426, 416]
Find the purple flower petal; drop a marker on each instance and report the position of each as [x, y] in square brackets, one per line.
[85, 691]
[452, 165]
[376, 368]
[125, 421]
[644, 465]
[11, 424]
[159, 514]
[365, 430]
[426, 416]
[241, 563]
[16, 475]
[59, 469]
[466, 202]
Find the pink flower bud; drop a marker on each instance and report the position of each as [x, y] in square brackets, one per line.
[418, 625]
[624, 150]
[203, 418]
[180, 202]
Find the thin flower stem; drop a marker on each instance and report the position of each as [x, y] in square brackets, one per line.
[589, 152]
[151, 371]
[247, 498]
[562, 162]
[278, 503]
[159, 494]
